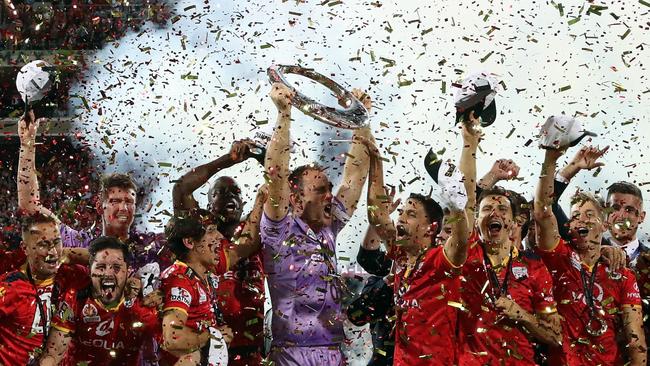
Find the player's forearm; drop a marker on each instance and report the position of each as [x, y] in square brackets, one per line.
[633, 325]
[182, 340]
[548, 332]
[48, 360]
[248, 241]
[371, 241]
[456, 246]
[276, 161]
[28, 189]
[195, 178]
[76, 256]
[569, 171]
[488, 181]
[355, 170]
[467, 167]
[543, 212]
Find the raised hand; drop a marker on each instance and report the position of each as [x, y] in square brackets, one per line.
[241, 150]
[281, 96]
[505, 169]
[363, 98]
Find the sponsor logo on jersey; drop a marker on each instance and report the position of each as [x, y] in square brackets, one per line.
[89, 313]
[179, 294]
[202, 296]
[520, 272]
[105, 327]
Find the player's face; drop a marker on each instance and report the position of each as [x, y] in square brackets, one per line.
[225, 200]
[413, 226]
[586, 225]
[625, 215]
[118, 208]
[444, 234]
[314, 203]
[495, 218]
[108, 272]
[208, 247]
[43, 248]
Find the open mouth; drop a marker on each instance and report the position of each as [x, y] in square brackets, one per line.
[122, 218]
[582, 231]
[495, 227]
[231, 206]
[623, 225]
[328, 210]
[51, 260]
[107, 286]
[401, 231]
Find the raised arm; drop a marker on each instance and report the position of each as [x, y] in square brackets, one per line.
[357, 162]
[462, 218]
[546, 230]
[57, 345]
[502, 169]
[379, 204]
[276, 162]
[182, 193]
[29, 197]
[247, 241]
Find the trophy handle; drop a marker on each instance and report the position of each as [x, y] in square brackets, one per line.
[353, 116]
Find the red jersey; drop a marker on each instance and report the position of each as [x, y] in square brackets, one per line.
[26, 310]
[529, 284]
[611, 292]
[426, 303]
[184, 291]
[100, 335]
[241, 300]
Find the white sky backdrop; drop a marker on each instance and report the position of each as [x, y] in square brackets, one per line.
[154, 113]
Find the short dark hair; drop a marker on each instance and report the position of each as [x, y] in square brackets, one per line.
[433, 210]
[115, 180]
[107, 242]
[522, 208]
[27, 221]
[583, 196]
[625, 188]
[296, 176]
[190, 226]
[498, 191]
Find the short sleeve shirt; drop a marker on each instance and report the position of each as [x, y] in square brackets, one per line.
[612, 291]
[426, 304]
[300, 266]
[487, 341]
[100, 335]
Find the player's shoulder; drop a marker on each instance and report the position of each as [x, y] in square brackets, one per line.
[177, 272]
[13, 277]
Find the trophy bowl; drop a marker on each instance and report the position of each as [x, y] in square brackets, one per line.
[354, 115]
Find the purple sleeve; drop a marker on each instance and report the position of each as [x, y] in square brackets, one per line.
[340, 216]
[273, 233]
[72, 238]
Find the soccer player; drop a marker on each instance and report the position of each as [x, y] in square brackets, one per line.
[116, 203]
[426, 284]
[28, 294]
[596, 303]
[98, 324]
[301, 220]
[241, 289]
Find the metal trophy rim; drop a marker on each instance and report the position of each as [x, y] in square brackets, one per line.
[353, 117]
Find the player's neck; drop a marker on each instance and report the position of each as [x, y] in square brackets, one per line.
[413, 253]
[498, 252]
[228, 229]
[623, 240]
[120, 233]
[590, 255]
[199, 269]
[39, 277]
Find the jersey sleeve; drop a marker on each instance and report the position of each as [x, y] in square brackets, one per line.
[11, 260]
[436, 264]
[8, 298]
[222, 261]
[272, 233]
[65, 316]
[543, 300]
[557, 260]
[630, 295]
[178, 293]
[72, 277]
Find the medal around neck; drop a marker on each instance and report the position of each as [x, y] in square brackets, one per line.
[353, 116]
[596, 326]
[34, 81]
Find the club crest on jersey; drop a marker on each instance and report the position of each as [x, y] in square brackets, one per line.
[202, 296]
[575, 261]
[89, 313]
[520, 272]
[179, 294]
[65, 312]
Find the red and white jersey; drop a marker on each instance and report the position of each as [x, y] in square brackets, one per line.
[611, 292]
[486, 341]
[184, 291]
[26, 310]
[426, 306]
[100, 335]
